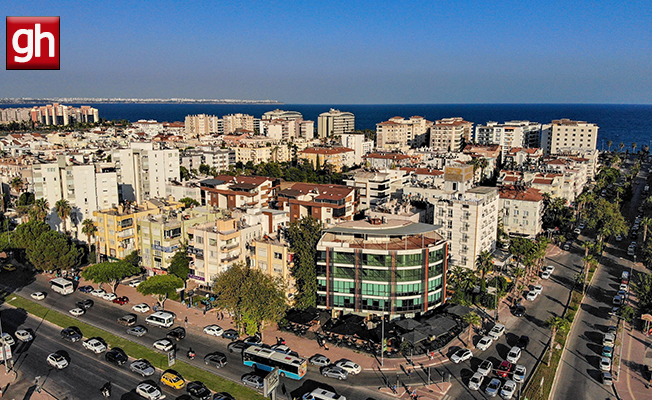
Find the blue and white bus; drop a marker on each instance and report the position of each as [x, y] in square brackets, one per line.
[268, 359]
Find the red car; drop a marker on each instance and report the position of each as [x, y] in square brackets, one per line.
[504, 369]
[121, 300]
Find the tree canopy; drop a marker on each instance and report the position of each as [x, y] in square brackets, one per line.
[133, 258]
[111, 272]
[303, 237]
[180, 264]
[161, 286]
[52, 251]
[188, 202]
[253, 297]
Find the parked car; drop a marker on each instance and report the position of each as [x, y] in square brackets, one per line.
[198, 390]
[163, 345]
[223, 396]
[116, 356]
[253, 381]
[231, 334]
[508, 390]
[504, 369]
[497, 331]
[349, 366]
[148, 391]
[98, 292]
[141, 308]
[109, 296]
[485, 367]
[605, 364]
[173, 380]
[619, 238]
[493, 387]
[566, 246]
[213, 330]
[85, 304]
[461, 355]
[607, 378]
[617, 301]
[577, 231]
[523, 342]
[128, 320]
[476, 381]
[142, 367]
[86, 289]
[57, 361]
[38, 295]
[177, 333]
[122, 300]
[519, 373]
[137, 331]
[538, 289]
[484, 343]
[514, 355]
[77, 312]
[607, 351]
[545, 275]
[24, 335]
[531, 295]
[334, 372]
[95, 344]
[134, 283]
[518, 310]
[237, 347]
[71, 334]
[319, 360]
[216, 359]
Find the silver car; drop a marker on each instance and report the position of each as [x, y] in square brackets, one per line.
[319, 360]
[476, 381]
[142, 367]
[334, 372]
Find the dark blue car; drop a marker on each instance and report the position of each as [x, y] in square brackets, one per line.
[85, 289]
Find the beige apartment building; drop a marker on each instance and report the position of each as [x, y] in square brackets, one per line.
[522, 210]
[273, 257]
[450, 134]
[399, 133]
[202, 125]
[336, 157]
[233, 122]
[567, 135]
[334, 123]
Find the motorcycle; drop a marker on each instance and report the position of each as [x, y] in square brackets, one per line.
[191, 354]
[106, 389]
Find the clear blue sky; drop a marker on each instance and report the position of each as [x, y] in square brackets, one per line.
[345, 52]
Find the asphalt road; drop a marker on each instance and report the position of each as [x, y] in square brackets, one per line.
[550, 303]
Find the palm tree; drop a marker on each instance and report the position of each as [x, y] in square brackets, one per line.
[622, 146]
[555, 324]
[483, 265]
[63, 210]
[17, 184]
[645, 221]
[40, 209]
[89, 229]
[634, 145]
[609, 143]
[473, 320]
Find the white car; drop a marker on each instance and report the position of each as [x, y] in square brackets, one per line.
[549, 268]
[508, 390]
[484, 343]
[485, 368]
[57, 361]
[461, 355]
[110, 296]
[531, 295]
[545, 275]
[98, 292]
[514, 355]
[519, 373]
[135, 282]
[77, 312]
[497, 331]
[94, 345]
[8, 339]
[213, 330]
[476, 381]
[149, 392]
[349, 366]
[538, 289]
[24, 335]
[163, 345]
[319, 360]
[38, 295]
[141, 308]
[577, 231]
[605, 364]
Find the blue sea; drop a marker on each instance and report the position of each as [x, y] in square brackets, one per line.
[618, 123]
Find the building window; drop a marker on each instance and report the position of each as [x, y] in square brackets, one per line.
[278, 256]
[200, 240]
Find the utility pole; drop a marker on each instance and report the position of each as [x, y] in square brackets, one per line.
[382, 342]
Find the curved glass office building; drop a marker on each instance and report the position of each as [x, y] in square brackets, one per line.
[378, 266]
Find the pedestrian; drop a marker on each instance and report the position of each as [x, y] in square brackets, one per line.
[221, 315]
[283, 389]
[325, 346]
[185, 321]
[410, 372]
[414, 394]
[394, 389]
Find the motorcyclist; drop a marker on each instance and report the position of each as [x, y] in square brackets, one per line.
[106, 389]
[191, 353]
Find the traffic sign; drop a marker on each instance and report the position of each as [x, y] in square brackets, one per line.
[271, 382]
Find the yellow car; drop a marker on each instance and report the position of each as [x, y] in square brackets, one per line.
[173, 380]
[9, 267]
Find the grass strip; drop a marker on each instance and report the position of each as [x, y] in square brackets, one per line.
[135, 350]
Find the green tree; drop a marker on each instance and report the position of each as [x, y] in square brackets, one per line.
[25, 199]
[89, 229]
[26, 234]
[605, 218]
[17, 184]
[188, 202]
[111, 272]
[133, 258]
[54, 251]
[204, 169]
[39, 210]
[643, 290]
[183, 171]
[556, 324]
[303, 237]
[63, 209]
[160, 286]
[240, 289]
[180, 264]
[628, 313]
[484, 264]
[646, 222]
[473, 320]
[621, 146]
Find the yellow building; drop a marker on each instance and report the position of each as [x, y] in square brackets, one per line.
[336, 157]
[273, 257]
[116, 227]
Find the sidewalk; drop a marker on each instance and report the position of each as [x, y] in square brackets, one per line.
[8, 383]
[632, 384]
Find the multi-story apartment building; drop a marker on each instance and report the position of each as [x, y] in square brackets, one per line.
[387, 160]
[143, 172]
[273, 257]
[522, 210]
[465, 216]
[180, 190]
[329, 204]
[59, 114]
[281, 114]
[519, 156]
[400, 134]
[390, 267]
[202, 125]
[233, 122]
[217, 246]
[508, 135]
[568, 135]
[334, 123]
[162, 235]
[286, 125]
[231, 192]
[116, 226]
[336, 157]
[376, 187]
[359, 144]
[86, 187]
[450, 134]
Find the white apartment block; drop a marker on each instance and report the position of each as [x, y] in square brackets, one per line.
[508, 135]
[568, 135]
[287, 130]
[335, 122]
[376, 187]
[143, 172]
[86, 188]
[59, 114]
[450, 134]
[466, 217]
[399, 134]
[359, 144]
[521, 210]
[233, 122]
[202, 125]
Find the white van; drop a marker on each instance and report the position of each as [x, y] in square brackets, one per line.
[62, 286]
[162, 319]
[321, 394]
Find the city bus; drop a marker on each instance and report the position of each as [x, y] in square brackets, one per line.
[268, 359]
[62, 286]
